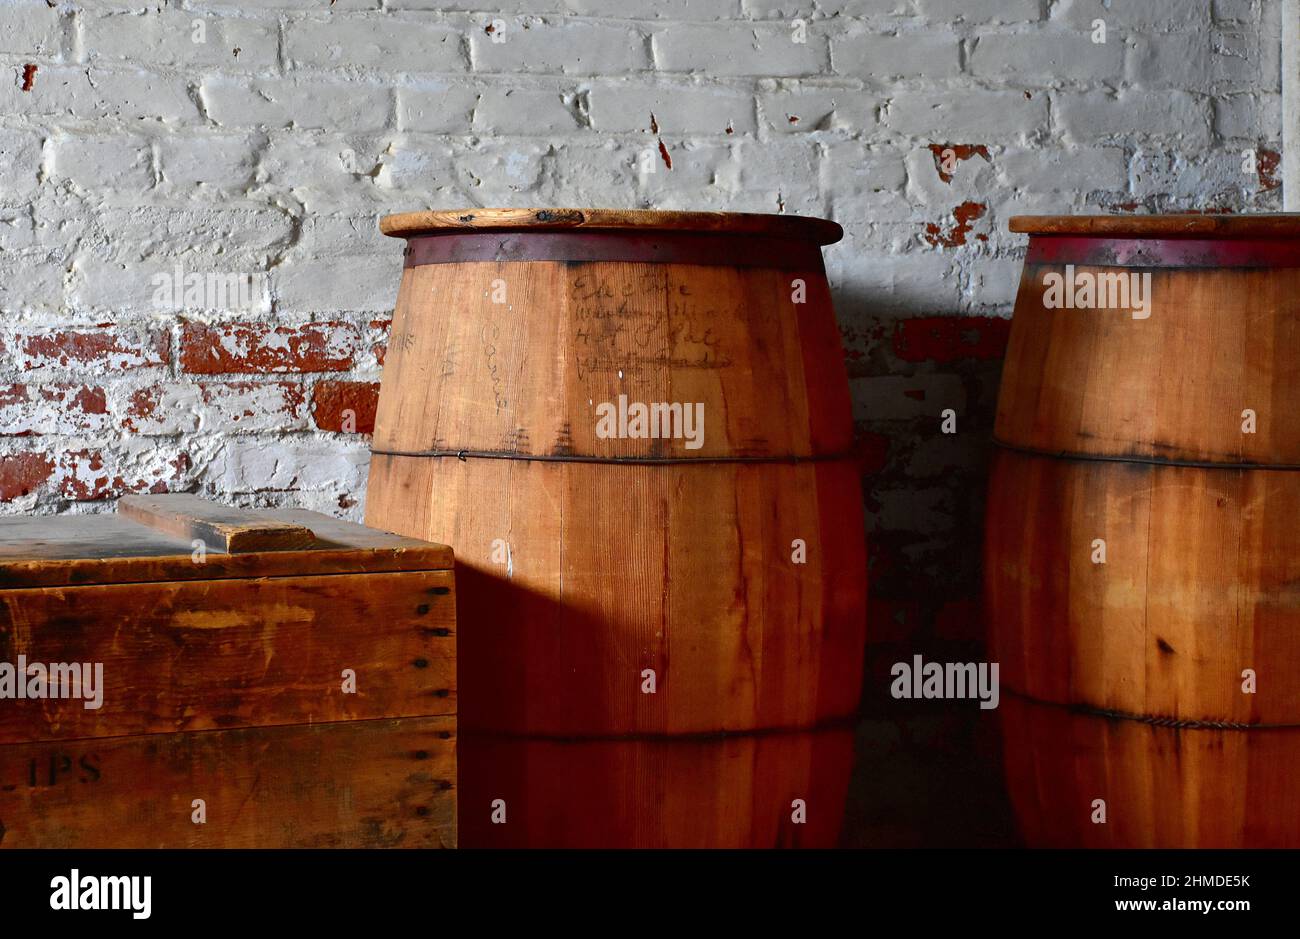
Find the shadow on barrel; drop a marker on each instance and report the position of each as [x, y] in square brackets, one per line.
[520, 788]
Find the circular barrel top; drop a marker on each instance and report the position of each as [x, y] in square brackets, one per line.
[817, 230]
[1272, 225]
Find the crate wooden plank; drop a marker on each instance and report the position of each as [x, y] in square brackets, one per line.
[362, 784]
[41, 551]
[219, 527]
[206, 654]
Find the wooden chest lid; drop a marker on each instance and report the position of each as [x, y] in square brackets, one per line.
[157, 538]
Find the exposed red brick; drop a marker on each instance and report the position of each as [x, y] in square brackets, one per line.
[253, 348]
[91, 400]
[380, 349]
[1266, 164]
[945, 339]
[29, 76]
[143, 403]
[20, 473]
[75, 405]
[236, 401]
[329, 399]
[86, 476]
[960, 151]
[98, 349]
[871, 451]
[858, 340]
[663, 154]
[964, 216]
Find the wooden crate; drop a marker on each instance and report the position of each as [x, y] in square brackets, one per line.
[272, 678]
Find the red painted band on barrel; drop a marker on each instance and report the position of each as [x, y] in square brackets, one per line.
[657, 248]
[1163, 252]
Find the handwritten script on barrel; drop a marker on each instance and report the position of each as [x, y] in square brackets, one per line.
[620, 326]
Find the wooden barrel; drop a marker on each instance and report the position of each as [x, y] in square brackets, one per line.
[634, 429]
[735, 791]
[1142, 549]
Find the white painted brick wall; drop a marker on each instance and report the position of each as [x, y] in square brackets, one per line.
[271, 147]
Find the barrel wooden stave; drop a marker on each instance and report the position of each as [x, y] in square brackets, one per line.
[1199, 584]
[732, 792]
[1171, 387]
[625, 553]
[599, 586]
[729, 339]
[1162, 786]
[1124, 680]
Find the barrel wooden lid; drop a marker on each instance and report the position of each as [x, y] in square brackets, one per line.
[1264, 225]
[818, 230]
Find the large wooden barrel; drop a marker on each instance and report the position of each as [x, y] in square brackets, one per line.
[673, 621]
[1142, 553]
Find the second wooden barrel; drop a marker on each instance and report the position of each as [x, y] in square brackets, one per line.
[634, 429]
[1142, 553]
